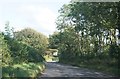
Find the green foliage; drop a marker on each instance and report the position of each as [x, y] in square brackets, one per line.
[23, 70]
[87, 33]
[54, 41]
[5, 56]
[26, 46]
[8, 30]
[114, 51]
[29, 48]
[33, 39]
[34, 55]
[21, 52]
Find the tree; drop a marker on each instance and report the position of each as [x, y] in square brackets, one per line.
[5, 56]
[33, 39]
[8, 30]
[94, 26]
[26, 46]
[54, 40]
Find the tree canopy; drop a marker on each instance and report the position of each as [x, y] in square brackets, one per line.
[32, 38]
[26, 45]
[87, 33]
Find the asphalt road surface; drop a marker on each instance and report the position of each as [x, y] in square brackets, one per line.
[54, 69]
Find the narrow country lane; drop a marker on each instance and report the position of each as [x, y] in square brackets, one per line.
[54, 69]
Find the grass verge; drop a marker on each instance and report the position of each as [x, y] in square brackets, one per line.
[23, 70]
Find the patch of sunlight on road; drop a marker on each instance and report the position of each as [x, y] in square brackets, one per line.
[51, 58]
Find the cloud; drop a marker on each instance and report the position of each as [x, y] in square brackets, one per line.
[37, 14]
[34, 1]
[43, 17]
[1, 26]
[1, 23]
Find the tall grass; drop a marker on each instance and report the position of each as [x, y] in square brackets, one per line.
[23, 70]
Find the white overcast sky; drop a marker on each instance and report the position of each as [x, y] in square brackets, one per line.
[37, 14]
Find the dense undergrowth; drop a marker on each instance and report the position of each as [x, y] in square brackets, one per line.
[23, 70]
[22, 52]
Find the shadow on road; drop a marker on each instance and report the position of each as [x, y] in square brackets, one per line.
[57, 70]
